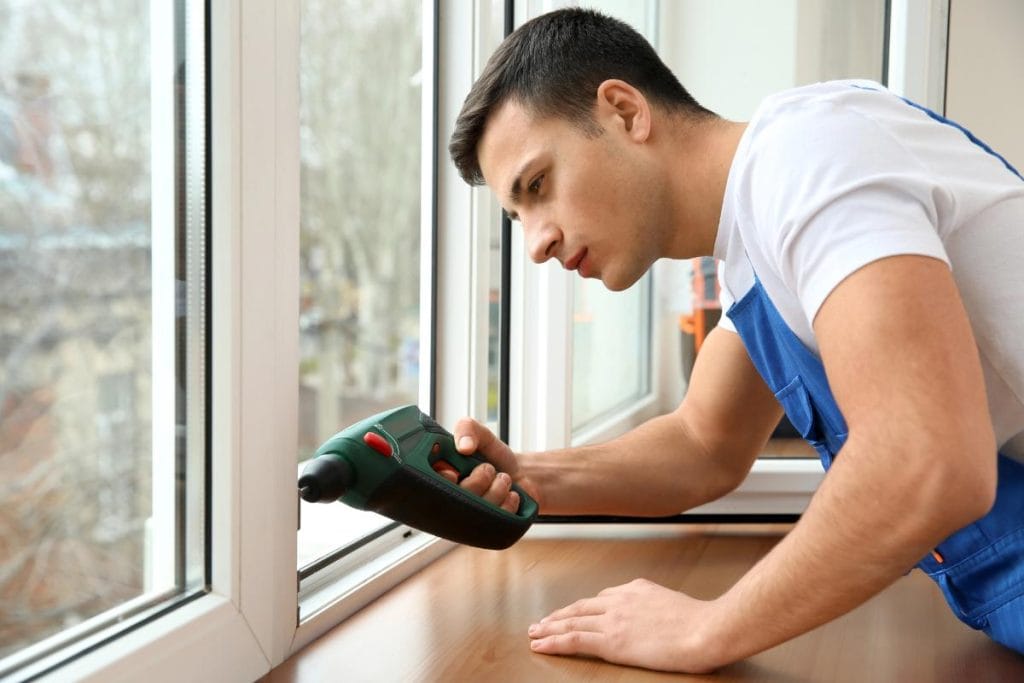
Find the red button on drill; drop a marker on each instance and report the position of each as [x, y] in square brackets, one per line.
[377, 443]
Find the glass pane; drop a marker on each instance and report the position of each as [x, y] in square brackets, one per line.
[360, 243]
[611, 349]
[731, 54]
[611, 331]
[101, 357]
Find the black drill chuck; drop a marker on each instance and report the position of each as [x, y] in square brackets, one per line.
[325, 480]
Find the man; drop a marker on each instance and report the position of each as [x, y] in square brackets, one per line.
[872, 289]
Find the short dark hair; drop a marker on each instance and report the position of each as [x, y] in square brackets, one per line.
[553, 65]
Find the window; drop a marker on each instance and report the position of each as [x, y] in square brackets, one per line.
[731, 55]
[611, 349]
[491, 239]
[585, 362]
[808, 42]
[360, 289]
[102, 322]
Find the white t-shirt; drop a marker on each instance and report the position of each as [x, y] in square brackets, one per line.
[830, 177]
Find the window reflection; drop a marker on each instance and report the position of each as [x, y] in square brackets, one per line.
[360, 234]
[86, 518]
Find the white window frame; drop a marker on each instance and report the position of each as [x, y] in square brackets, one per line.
[918, 47]
[485, 19]
[246, 623]
[160, 527]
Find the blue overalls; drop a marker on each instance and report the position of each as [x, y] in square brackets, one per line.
[982, 569]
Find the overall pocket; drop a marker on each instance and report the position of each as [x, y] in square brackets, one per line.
[982, 574]
[796, 401]
[985, 581]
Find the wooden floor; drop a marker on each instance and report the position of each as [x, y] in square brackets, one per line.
[464, 618]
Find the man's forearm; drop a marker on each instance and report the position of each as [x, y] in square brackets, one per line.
[657, 469]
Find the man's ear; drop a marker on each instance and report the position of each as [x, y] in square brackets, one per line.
[626, 107]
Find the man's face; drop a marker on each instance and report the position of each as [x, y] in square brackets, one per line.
[586, 201]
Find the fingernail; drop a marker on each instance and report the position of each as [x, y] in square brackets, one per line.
[533, 629]
[505, 479]
[466, 443]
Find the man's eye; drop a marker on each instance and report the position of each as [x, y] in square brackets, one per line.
[535, 185]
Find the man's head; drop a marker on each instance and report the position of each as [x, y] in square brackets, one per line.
[552, 66]
[575, 126]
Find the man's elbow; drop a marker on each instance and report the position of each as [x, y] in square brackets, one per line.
[984, 492]
[963, 479]
[975, 501]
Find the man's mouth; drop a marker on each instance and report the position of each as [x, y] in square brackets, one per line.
[574, 262]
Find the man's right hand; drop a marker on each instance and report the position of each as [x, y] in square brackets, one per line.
[492, 481]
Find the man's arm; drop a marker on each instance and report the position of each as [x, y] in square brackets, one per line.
[671, 463]
[919, 463]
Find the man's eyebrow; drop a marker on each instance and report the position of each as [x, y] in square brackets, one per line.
[515, 192]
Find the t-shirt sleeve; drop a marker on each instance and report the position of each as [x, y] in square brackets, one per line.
[832, 191]
[726, 299]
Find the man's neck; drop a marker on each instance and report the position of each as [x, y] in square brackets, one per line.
[699, 161]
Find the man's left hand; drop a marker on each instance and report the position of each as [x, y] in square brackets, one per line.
[637, 624]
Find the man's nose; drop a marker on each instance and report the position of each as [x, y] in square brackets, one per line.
[543, 241]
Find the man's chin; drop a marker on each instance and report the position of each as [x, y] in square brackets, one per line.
[615, 284]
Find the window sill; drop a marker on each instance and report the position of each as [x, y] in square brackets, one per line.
[465, 617]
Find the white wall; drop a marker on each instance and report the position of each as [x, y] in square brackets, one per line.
[985, 73]
[729, 54]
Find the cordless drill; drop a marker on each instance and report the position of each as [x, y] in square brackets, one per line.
[391, 463]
